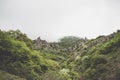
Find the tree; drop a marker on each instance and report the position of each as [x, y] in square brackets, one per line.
[67, 41]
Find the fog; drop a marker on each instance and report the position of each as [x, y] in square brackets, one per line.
[53, 19]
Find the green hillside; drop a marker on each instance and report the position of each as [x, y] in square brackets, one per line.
[7, 76]
[18, 57]
[71, 58]
[99, 59]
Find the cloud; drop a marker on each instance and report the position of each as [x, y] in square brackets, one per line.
[53, 19]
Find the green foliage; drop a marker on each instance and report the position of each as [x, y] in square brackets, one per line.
[17, 35]
[111, 45]
[19, 59]
[6, 76]
[68, 41]
[93, 60]
[97, 73]
[98, 59]
[85, 62]
[55, 75]
[101, 62]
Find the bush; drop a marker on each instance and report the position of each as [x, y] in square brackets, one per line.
[110, 46]
[98, 59]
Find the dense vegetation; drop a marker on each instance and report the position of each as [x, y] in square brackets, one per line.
[6, 76]
[68, 41]
[99, 61]
[18, 57]
[96, 59]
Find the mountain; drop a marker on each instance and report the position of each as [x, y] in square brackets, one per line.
[98, 59]
[72, 58]
[18, 57]
[66, 44]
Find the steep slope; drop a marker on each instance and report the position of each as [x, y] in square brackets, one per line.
[98, 59]
[81, 59]
[7, 76]
[66, 44]
[18, 57]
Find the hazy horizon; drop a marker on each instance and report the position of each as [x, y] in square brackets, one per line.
[53, 19]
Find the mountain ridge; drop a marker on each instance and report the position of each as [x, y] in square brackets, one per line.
[71, 58]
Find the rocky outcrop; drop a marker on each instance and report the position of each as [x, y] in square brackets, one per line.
[55, 46]
[41, 44]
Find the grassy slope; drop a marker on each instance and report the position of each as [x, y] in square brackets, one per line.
[17, 57]
[100, 58]
[97, 59]
[7, 76]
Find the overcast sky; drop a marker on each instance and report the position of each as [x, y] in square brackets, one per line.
[53, 19]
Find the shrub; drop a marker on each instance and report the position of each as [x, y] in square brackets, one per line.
[98, 59]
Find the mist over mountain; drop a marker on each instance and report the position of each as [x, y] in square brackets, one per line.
[59, 39]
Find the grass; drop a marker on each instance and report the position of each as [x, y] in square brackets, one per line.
[7, 76]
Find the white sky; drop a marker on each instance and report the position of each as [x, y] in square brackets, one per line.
[53, 19]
